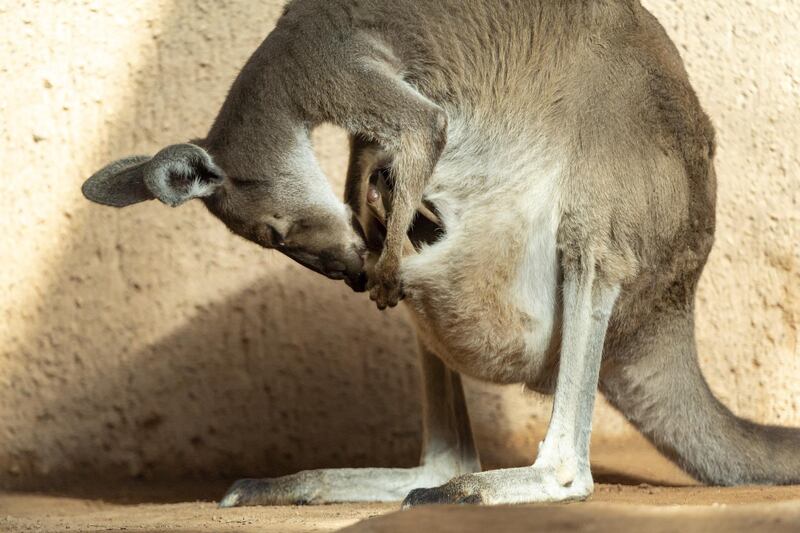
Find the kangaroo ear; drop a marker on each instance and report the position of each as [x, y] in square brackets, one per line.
[181, 172]
[174, 175]
[119, 184]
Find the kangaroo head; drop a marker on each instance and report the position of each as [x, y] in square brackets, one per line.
[290, 208]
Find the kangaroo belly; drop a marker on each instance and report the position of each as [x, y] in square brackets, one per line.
[484, 296]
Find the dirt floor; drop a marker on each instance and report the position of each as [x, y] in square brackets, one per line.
[637, 490]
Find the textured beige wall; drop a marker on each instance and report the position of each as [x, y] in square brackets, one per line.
[151, 343]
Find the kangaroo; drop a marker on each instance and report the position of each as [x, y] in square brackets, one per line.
[560, 170]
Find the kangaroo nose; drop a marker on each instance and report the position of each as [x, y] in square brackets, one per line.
[358, 282]
[351, 266]
[347, 266]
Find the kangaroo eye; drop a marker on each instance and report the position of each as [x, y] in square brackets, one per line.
[275, 237]
[302, 224]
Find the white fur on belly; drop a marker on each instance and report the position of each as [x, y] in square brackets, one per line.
[497, 193]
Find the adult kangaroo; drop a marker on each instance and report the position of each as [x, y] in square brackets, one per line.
[565, 163]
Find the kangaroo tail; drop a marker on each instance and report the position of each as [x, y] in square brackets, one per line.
[654, 379]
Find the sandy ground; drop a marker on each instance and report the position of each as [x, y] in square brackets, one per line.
[637, 491]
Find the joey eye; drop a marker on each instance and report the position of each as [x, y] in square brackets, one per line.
[275, 237]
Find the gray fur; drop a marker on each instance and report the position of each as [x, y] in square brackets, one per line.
[175, 175]
[180, 173]
[119, 184]
[569, 165]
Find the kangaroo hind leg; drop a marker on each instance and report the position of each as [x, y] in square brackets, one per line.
[561, 471]
[448, 450]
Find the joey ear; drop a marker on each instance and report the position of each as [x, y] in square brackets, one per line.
[119, 184]
[181, 172]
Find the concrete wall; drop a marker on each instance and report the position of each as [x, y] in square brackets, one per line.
[151, 343]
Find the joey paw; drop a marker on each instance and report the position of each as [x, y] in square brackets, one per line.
[384, 286]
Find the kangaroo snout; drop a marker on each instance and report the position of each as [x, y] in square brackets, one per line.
[348, 265]
[350, 268]
[340, 264]
[358, 267]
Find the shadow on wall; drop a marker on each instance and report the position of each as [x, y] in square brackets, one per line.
[231, 394]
